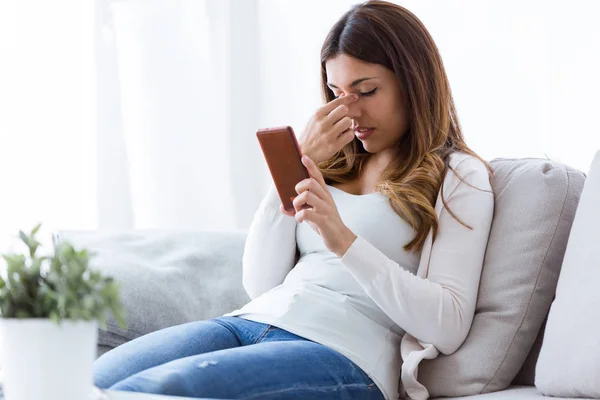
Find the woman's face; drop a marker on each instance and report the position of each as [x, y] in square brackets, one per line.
[380, 106]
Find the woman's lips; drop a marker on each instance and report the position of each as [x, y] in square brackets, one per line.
[364, 133]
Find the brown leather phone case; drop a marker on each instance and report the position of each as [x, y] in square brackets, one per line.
[282, 153]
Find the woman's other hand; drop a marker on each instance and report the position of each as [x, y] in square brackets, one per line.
[322, 215]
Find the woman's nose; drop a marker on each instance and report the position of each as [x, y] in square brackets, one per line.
[354, 109]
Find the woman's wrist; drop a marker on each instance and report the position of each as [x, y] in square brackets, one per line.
[347, 238]
[306, 152]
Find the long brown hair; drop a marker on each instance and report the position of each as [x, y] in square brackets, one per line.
[384, 33]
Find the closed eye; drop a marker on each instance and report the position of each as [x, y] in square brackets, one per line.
[367, 94]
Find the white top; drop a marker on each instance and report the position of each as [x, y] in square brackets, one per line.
[363, 304]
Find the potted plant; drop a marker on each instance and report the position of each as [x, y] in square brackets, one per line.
[51, 307]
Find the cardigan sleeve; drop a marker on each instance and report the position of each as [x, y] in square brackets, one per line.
[439, 309]
[270, 248]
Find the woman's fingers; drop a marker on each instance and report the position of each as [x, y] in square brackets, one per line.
[346, 137]
[337, 114]
[314, 171]
[309, 198]
[286, 212]
[341, 126]
[313, 218]
[323, 111]
[314, 186]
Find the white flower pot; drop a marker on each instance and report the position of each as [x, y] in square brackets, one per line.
[45, 361]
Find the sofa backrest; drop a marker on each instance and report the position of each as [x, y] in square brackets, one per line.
[172, 277]
[166, 277]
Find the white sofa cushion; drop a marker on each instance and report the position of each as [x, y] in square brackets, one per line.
[511, 393]
[569, 361]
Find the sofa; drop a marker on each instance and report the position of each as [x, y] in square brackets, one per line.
[171, 277]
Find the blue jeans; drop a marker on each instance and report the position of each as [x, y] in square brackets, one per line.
[232, 358]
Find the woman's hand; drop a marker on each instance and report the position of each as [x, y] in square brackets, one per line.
[323, 214]
[328, 130]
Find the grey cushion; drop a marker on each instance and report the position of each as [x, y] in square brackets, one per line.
[103, 349]
[535, 205]
[526, 375]
[167, 277]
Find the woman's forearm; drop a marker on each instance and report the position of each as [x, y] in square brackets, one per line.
[270, 249]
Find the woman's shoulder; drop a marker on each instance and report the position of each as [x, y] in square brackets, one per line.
[464, 161]
[469, 169]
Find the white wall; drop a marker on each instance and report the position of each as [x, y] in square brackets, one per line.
[47, 119]
[523, 73]
[133, 114]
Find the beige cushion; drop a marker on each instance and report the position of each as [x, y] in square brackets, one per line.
[569, 362]
[535, 205]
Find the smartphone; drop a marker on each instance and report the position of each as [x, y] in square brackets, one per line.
[284, 159]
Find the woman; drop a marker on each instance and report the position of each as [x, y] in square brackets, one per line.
[383, 271]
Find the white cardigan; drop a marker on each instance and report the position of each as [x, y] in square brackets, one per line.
[435, 307]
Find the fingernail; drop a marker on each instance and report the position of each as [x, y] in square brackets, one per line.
[354, 96]
[304, 158]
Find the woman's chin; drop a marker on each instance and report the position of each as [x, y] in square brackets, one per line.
[369, 147]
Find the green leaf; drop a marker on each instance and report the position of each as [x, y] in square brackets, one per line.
[36, 229]
[61, 303]
[24, 237]
[14, 262]
[33, 247]
[88, 302]
[35, 266]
